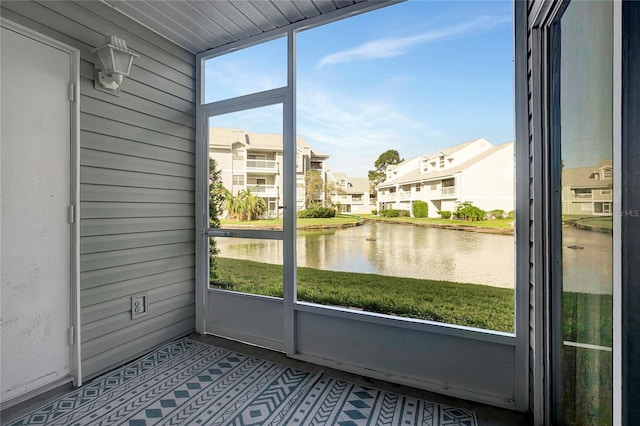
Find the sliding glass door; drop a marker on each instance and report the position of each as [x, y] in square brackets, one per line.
[581, 125]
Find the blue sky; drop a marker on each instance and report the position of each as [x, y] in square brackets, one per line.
[415, 77]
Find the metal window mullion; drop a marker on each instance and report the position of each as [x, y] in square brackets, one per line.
[259, 234]
[289, 198]
[202, 213]
[250, 101]
[618, 396]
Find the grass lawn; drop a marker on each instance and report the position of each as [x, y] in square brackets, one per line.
[346, 219]
[495, 223]
[597, 222]
[443, 301]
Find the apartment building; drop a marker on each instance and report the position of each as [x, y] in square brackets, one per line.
[588, 190]
[351, 195]
[475, 171]
[254, 161]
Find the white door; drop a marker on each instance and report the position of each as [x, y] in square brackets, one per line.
[36, 236]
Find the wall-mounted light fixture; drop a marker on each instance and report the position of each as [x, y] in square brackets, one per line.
[116, 62]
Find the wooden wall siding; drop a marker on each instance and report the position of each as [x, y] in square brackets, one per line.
[137, 182]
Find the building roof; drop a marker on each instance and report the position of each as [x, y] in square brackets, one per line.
[356, 185]
[339, 176]
[359, 185]
[225, 138]
[415, 176]
[447, 151]
[583, 177]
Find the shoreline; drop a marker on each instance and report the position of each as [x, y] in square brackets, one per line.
[452, 227]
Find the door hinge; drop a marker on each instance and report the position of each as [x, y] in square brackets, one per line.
[70, 336]
[72, 92]
[72, 214]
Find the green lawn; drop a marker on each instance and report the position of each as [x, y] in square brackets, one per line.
[346, 219]
[443, 301]
[495, 223]
[587, 373]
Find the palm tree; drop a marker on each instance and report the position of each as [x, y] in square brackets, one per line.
[245, 206]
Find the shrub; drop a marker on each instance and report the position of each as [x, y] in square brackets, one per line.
[404, 213]
[320, 212]
[510, 215]
[374, 212]
[496, 214]
[467, 211]
[390, 213]
[420, 209]
[445, 214]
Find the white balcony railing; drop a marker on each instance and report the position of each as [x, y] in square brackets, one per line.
[583, 196]
[448, 190]
[386, 196]
[263, 190]
[262, 165]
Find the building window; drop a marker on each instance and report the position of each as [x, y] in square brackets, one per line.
[441, 160]
[238, 180]
[238, 153]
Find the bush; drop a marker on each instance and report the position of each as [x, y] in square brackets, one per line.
[467, 211]
[374, 212]
[510, 215]
[420, 209]
[320, 212]
[394, 213]
[390, 213]
[445, 214]
[496, 214]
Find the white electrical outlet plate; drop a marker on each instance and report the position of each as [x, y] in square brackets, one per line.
[139, 305]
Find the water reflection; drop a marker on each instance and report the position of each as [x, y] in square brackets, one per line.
[395, 250]
[586, 261]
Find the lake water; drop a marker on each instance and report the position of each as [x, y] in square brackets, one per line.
[395, 250]
[431, 253]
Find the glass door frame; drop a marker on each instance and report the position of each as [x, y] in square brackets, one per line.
[284, 96]
[548, 336]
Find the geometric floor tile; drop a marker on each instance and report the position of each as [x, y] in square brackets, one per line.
[187, 382]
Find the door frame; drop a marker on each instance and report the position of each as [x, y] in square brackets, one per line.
[74, 340]
[540, 18]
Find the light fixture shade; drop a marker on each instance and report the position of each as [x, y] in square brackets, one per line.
[116, 60]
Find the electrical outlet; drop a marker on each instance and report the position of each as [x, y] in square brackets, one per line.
[139, 305]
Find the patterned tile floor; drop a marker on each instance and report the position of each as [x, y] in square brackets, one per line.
[188, 382]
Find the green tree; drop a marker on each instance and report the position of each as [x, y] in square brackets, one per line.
[243, 207]
[467, 211]
[216, 199]
[313, 188]
[388, 158]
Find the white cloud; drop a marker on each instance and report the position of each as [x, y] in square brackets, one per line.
[355, 131]
[395, 46]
